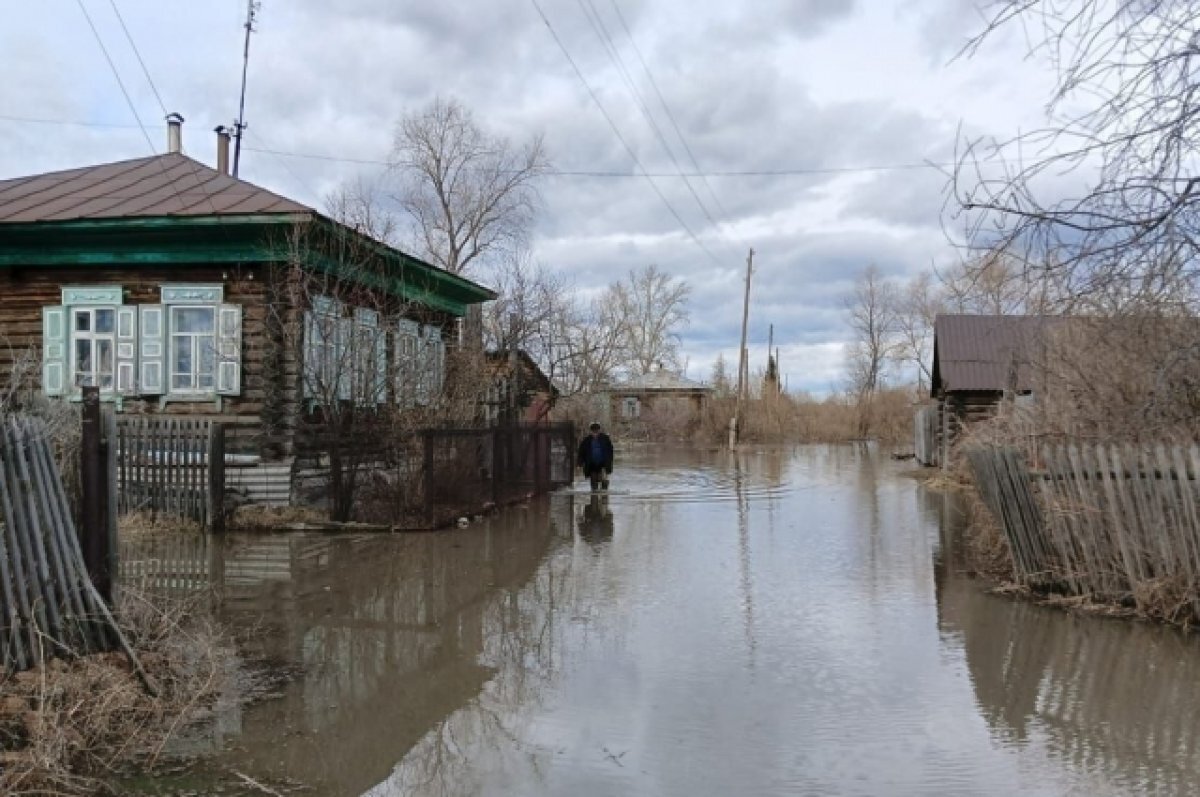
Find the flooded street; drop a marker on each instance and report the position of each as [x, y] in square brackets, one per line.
[784, 621]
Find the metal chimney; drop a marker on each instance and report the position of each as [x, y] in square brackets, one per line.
[222, 149]
[174, 133]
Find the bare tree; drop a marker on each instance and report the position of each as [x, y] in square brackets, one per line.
[652, 307]
[469, 193]
[871, 314]
[1121, 117]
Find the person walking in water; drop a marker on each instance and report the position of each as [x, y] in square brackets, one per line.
[596, 456]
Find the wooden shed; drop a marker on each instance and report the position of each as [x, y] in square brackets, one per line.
[178, 289]
[977, 361]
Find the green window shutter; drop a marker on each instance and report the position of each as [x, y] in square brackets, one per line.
[229, 349]
[54, 351]
[127, 340]
[152, 333]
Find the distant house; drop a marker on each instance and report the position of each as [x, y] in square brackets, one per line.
[517, 389]
[977, 361]
[662, 399]
[158, 281]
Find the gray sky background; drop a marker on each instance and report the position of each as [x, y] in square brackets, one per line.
[804, 92]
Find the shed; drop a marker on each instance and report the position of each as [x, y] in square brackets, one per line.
[659, 401]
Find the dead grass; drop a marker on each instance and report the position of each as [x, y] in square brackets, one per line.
[70, 727]
[255, 517]
[140, 523]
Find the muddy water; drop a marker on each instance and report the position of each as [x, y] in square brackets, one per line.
[780, 622]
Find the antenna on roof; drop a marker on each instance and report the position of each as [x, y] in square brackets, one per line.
[240, 125]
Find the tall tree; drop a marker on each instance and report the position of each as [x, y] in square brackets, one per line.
[470, 193]
[871, 314]
[651, 306]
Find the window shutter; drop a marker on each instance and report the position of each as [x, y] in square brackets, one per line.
[229, 349]
[54, 351]
[152, 331]
[346, 367]
[407, 340]
[310, 353]
[126, 363]
[424, 367]
[438, 366]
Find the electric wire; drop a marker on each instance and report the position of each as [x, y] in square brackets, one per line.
[620, 137]
[138, 54]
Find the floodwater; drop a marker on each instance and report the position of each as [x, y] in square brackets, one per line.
[779, 622]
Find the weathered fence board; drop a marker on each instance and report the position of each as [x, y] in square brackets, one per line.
[171, 466]
[1116, 522]
[50, 605]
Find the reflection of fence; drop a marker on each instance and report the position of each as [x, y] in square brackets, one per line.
[172, 466]
[466, 469]
[1104, 520]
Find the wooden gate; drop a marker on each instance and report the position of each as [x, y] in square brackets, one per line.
[173, 466]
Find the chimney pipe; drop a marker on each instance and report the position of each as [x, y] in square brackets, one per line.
[174, 133]
[222, 149]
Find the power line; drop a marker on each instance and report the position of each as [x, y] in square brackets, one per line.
[667, 109]
[614, 55]
[620, 137]
[599, 173]
[138, 53]
[112, 66]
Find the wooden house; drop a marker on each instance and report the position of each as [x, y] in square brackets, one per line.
[517, 389]
[977, 361]
[178, 289]
[660, 402]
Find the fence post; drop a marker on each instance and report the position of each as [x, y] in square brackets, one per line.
[216, 477]
[93, 526]
[110, 446]
[497, 464]
[427, 438]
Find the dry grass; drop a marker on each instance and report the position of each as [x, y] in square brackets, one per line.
[70, 727]
[141, 523]
[784, 418]
[256, 517]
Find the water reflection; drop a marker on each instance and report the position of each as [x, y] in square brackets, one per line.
[596, 520]
[776, 621]
[1109, 697]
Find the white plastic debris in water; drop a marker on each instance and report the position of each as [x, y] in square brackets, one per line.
[463, 522]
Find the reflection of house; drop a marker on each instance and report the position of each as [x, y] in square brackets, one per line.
[517, 388]
[660, 398]
[178, 289]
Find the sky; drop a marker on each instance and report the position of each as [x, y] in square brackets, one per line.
[788, 107]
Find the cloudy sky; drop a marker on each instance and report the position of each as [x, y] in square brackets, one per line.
[813, 121]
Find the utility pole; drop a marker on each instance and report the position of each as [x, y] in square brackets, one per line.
[240, 124]
[743, 359]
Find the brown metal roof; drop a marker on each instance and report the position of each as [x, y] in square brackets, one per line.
[162, 185]
[977, 352]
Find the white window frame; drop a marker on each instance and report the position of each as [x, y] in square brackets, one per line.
[76, 335]
[631, 407]
[195, 352]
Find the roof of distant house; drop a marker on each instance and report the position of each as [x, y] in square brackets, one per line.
[160, 185]
[978, 352]
[660, 380]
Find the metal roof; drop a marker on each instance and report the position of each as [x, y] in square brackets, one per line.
[161, 185]
[977, 352]
[659, 380]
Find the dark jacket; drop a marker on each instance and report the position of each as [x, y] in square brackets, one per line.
[585, 454]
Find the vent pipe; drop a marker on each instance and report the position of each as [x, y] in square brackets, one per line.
[174, 133]
[222, 149]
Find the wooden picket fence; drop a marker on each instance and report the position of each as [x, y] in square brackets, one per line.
[1117, 522]
[171, 466]
[50, 605]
